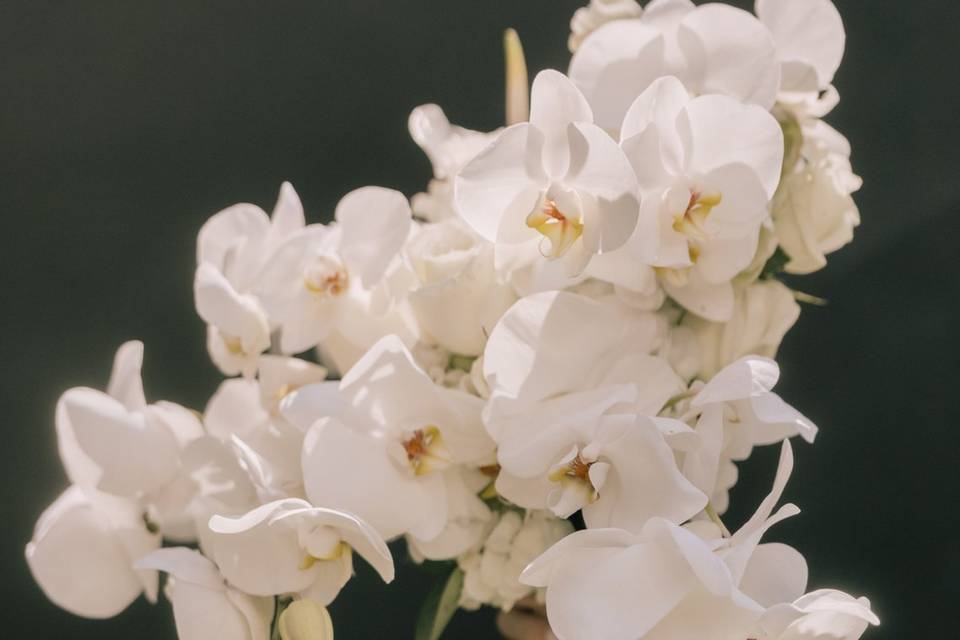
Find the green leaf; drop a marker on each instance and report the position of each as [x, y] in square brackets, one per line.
[439, 607]
[463, 363]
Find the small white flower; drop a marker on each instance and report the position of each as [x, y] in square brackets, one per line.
[336, 281]
[290, 546]
[707, 168]
[232, 248]
[558, 183]
[384, 442]
[204, 605]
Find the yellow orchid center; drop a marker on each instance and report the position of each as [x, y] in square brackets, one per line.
[426, 451]
[691, 223]
[562, 231]
[326, 276]
[577, 471]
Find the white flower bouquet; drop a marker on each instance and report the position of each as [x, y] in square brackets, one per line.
[537, 376]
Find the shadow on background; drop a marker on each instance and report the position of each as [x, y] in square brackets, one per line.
[123, 126]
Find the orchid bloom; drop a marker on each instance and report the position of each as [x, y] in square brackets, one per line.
[707, 168]
[713, 49]
[204, 605]
[737, 411]
[574, 437]
[116, 443]
[290, 546]
[83, 550]
[327, 281]
[232, 247]
[558, 183]
[384, 442]
[246, 415]
[668, 581]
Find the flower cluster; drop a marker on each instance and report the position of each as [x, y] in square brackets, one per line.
[537, 375]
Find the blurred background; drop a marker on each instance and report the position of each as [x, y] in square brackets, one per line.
[124, 125]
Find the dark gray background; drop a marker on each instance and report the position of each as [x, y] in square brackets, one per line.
[123, 125]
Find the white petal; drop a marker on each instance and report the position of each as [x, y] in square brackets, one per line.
[134, 455]
[556, 103]
[772, 411]
[125, 383]
[643, 483]
[776, 573]
[810, 37]
[711, 301]
[728, 51]
[375, 223]
[235, 409]
[602, 175]
[240, 316]
[78, 561]
[545, 344]
[718, 130]
[748, 377]
[614, 65]
[233, 241]
[502, 184]
[257, 556]
[187, 565]
[287, 215]
[352, 472]
[658, 105]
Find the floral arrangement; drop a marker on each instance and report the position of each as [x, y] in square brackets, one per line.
[535, 377]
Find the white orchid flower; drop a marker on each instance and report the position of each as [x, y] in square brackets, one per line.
[232, 248]
[116, 443]
[558, 183]
[810, 40]
[738, 411]
[290, 546]
[825, 613]
[335, 280]
[382, 442]
[713, 49]
[667, 581]
[573, 395]
[617, 468]
[246, 415]
[204, 605]
[707, 168]
[83, 551]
